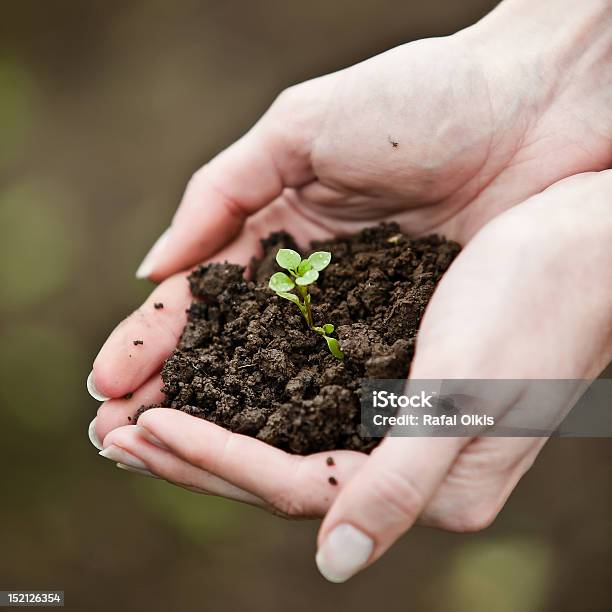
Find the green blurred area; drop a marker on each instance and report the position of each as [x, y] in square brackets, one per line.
[106, 108]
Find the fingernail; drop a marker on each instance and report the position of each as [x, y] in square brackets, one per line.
[343, 553]
[152, 257]
[119, 455]
[93, 436]
[149, 437]
[93, 391]
[128, 468]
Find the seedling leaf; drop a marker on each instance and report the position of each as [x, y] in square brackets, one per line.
[281, 283]
[289, 296]
[334, 347]
[328, 328]
[288, 259]
[304, 267]
[307, 278]
[320, 260]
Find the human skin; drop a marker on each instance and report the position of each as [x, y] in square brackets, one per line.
[503, 138]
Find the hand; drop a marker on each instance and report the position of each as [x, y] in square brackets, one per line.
[322, 161]
[509, 285]
[440, 135]
[475, 135]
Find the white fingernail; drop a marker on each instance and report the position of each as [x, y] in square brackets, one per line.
[93, 436]
[119, 455]
[152, 257]
[129, 468]
[149, 437]
[93, 391]
[343, 553]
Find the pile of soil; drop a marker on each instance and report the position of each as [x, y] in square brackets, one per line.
[247, 360]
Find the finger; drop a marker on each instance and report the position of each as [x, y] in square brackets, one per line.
[122, 366]
[135, 448]
[122, 411]
[294, 485]
[241, 180]
[383, 500]
[138, 346]
[282, 214]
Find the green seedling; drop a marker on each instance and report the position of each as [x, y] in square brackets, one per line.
[303, 272]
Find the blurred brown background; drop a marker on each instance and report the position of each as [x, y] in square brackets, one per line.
[106, 108]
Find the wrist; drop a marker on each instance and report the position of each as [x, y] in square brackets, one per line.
[550, 37]
[562, 30]
[549, 52]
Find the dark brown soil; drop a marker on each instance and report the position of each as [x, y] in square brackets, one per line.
[248, 362]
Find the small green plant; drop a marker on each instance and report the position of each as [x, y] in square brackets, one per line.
[303, 272]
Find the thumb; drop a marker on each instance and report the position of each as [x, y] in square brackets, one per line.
[238, 182]
[382, 501]
[512, 306]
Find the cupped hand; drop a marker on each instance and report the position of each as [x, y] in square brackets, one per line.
[431, 135]
[511, 284]
[439, 135]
